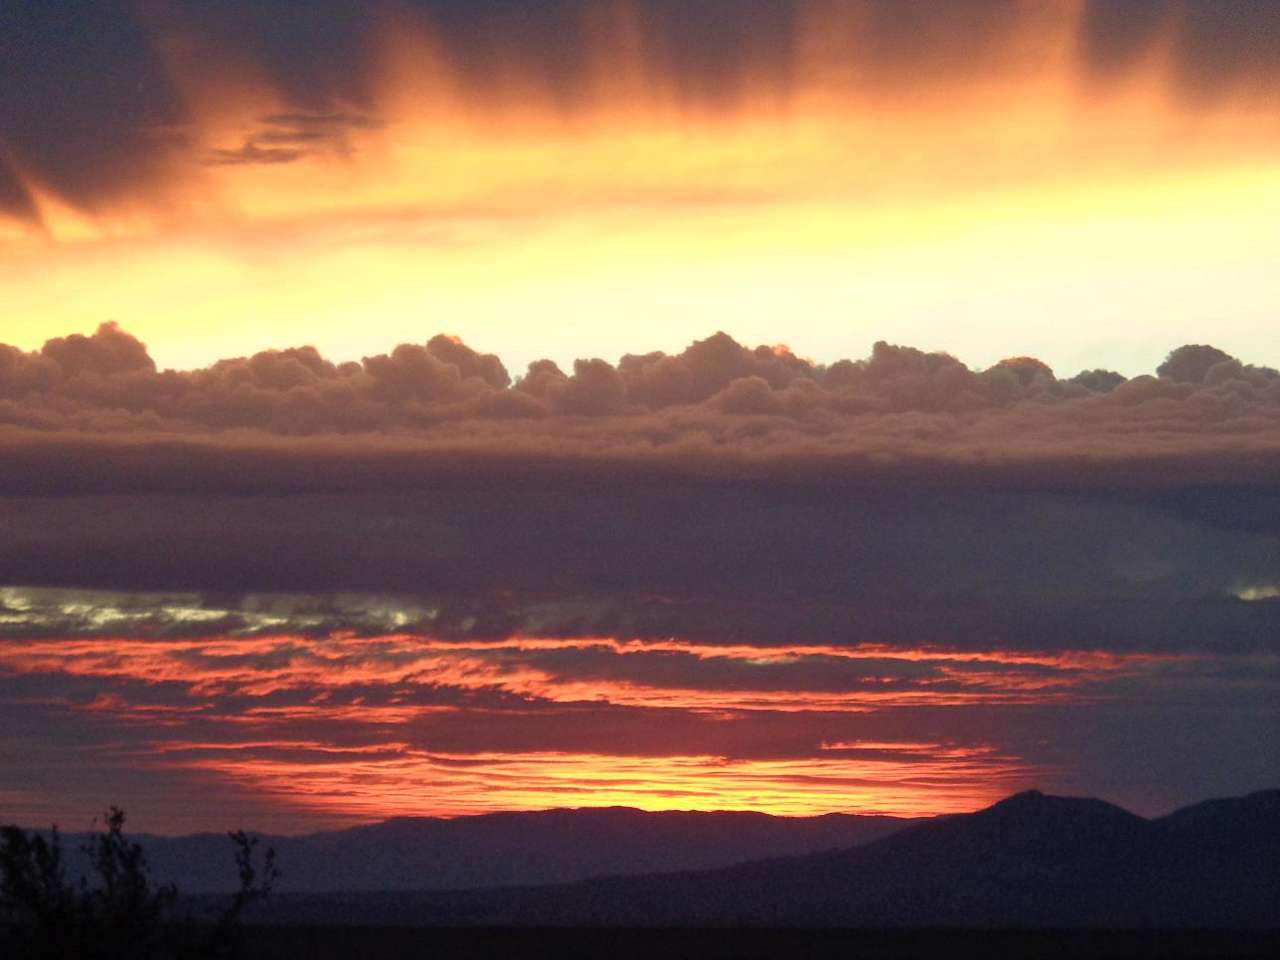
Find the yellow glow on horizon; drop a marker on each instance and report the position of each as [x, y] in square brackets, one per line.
[417, 783]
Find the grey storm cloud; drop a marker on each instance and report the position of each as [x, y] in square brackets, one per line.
[287, 137]
[721, 494]
[96, 112]
[716, 391]
[710, 563]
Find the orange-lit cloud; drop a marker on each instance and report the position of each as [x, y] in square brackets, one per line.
[372, 709]
[548, 192]
[351, 786]
[757, 678]
[339, 728]
[384, 572]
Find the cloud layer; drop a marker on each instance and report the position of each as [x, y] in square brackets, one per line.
[898, 497]
[339, 727]
[311, 591]
[726, 577]
[112, 93]
[107, 383]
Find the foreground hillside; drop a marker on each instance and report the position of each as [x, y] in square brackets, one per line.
[340, 943]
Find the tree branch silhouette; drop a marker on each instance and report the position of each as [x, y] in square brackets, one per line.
[115, 911]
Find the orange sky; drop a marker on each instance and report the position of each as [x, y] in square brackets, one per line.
[357, 728]
[626, 177]
[1011, 199]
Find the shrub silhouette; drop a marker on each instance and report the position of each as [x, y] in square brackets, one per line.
[122, 913]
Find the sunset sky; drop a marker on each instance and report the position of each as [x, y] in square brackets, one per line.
[444, 406]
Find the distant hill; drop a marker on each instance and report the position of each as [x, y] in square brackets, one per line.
[510, 849]
[1029, 861]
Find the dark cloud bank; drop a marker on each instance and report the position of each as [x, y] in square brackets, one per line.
[107, 384]
[722, 493]
[338, 517]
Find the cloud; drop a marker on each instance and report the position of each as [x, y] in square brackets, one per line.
[289, 137]
[15, 198]
[894, 379]
[401, 711]
[1216, 47]
[500, 553]
[280, 570]
[716, 409]
[252, 153]
[890, 498]
[415, 724]
[93, 100]
[113, 93]
[109, 352]
[1194, 363]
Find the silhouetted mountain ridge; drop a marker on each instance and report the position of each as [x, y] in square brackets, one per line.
[509, 849]
[1030, 860]
[1258, 811]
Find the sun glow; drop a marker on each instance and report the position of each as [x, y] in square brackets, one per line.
[353, 728]
[363, 788]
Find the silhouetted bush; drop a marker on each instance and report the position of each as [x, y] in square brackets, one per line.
[117, 911]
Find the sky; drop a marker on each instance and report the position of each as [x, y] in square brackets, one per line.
[437, 407]
[1092, 183]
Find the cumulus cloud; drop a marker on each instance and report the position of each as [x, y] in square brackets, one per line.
[92, 413]
[107, 383]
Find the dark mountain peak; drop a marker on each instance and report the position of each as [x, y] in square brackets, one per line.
[1038, 805]
[402, 822]
[1034, 824]
[1026, 798]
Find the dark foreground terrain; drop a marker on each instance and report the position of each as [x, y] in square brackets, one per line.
[507, 849]
[322, 943]
[1030, 862]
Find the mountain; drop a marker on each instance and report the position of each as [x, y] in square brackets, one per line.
[1029, 861]
[1220, 859]
[509, 849]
